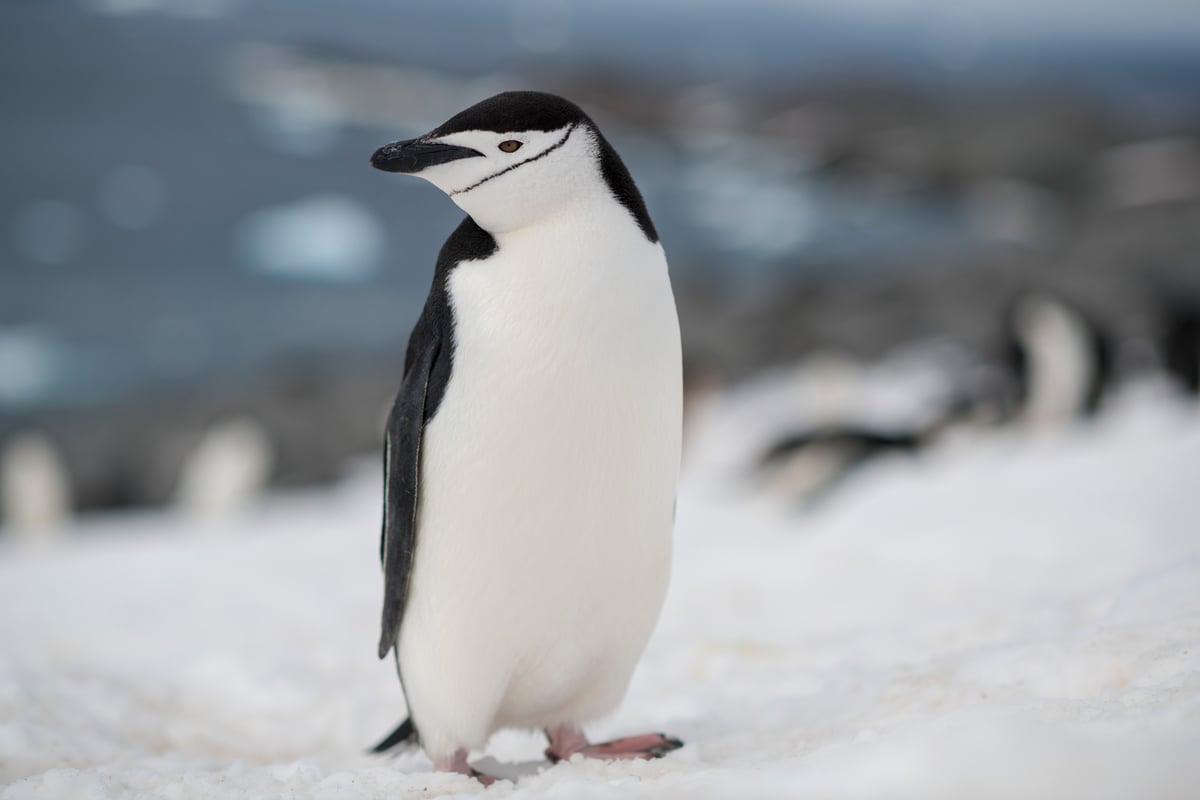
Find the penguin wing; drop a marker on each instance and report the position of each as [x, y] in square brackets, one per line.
[427, 366]
[402, 477]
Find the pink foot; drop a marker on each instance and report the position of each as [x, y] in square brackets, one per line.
[458, 763]
[566, 741]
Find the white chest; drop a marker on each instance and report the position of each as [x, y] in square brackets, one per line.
[565, 293]
[548, 482]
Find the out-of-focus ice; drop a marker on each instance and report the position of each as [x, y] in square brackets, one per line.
[1018, 618]
[330, 237]
[132, 196]
[31, 363]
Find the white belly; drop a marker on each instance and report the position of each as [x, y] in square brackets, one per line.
[548, 486]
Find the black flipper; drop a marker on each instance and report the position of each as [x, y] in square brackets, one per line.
[427, 367]
[405, 734]
[401, 481]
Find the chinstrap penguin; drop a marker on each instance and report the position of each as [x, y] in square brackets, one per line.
[532, 453]
[1060, 359]
[811, 464]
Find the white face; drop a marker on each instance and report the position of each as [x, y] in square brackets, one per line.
[520, 177]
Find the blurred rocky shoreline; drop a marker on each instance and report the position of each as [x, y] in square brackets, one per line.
[852, 216]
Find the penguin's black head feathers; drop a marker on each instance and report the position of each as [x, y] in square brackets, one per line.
[515, 111]
[516, 156]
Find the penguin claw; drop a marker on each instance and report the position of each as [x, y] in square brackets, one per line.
[667, 745]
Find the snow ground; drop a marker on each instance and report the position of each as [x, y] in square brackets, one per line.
[1018, 618]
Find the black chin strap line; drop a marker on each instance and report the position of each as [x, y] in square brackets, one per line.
[511, 167]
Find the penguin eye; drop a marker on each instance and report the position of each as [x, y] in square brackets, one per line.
[510, 146]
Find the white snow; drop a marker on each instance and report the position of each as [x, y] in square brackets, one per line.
[1013, 618]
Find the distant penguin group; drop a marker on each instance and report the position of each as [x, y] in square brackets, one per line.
[47, 478]
[210, 452]
[1055, 363]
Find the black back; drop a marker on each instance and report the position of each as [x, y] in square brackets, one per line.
[621, 184]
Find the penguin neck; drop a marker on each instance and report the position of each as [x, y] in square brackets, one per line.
[584, 210]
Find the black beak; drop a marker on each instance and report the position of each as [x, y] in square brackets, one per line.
[414, 155]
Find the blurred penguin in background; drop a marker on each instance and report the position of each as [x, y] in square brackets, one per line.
[35, 487]
[1059, 359]
[1181, 346]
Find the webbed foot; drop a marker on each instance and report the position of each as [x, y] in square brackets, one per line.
[566, 741]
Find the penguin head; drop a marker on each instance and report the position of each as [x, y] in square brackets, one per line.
[1037, 315]
[508, 161]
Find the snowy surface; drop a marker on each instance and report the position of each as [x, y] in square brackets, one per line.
[1011, 617]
